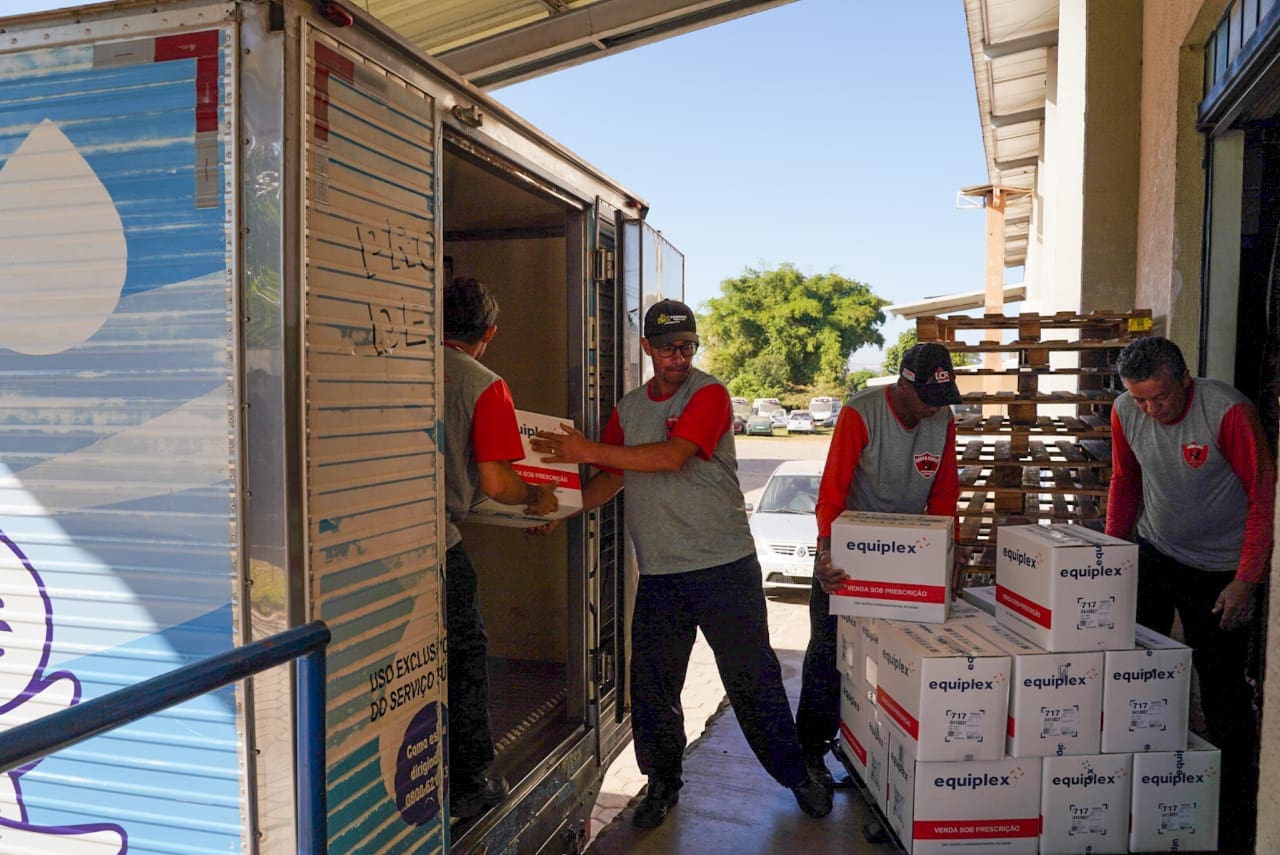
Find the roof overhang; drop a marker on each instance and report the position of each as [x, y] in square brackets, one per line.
[963, 302]
[494, 43]
[1011, 42]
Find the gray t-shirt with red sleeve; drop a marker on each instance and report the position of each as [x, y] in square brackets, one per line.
[695, 518]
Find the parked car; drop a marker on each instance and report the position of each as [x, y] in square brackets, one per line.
[800, 421]
[824, 410]
[784, 526]
[778, 418]
[759, 425]
[739, 423]
[741, 406]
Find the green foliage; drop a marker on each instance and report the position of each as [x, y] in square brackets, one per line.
[858, 380]
[893, 353]
[775, 332]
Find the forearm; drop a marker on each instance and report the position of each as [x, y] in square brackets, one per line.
[602, 487]
[668, 456]
[499, 481]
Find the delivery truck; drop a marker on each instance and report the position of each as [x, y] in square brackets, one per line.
[224, 229]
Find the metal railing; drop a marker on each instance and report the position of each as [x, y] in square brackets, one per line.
[35, 739]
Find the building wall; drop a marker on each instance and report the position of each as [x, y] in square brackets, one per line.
[1171, 166]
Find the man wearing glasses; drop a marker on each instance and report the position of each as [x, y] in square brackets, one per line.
[670, 443]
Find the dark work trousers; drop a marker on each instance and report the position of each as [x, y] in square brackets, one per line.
[1220, 657]
[727, 603]
[470, 732]
[818, 716]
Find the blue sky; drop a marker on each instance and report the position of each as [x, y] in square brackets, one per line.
[826, 133]
[832, 134]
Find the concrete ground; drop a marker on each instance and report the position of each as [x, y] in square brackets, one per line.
[704, 694]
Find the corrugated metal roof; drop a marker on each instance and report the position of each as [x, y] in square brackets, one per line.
[1010, 41]
[498, 42]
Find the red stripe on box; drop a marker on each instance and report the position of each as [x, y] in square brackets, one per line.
[1024, 607]
[538, 475]
[1011, 725]
[894, 591]
[904, 719]
[858, 750]
[974, 829]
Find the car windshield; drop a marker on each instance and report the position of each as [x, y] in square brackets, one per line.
[790, 494]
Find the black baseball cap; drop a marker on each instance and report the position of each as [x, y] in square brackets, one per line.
[927, 367]
[668, 321]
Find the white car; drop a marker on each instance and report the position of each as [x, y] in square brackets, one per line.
[799, 422]
[779, 418]
[784, 526]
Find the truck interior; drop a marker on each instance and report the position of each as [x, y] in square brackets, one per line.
[524, 243]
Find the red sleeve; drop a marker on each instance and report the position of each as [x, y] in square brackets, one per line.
[1124, 498]
[494, 432]
[705, 418]
[847, 442]
[1243, 445]
[944, 496]
[612, 435]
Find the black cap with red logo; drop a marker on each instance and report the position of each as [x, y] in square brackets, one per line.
[927, 367]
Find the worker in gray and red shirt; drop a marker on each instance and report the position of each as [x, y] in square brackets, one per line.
[1194, 484]
[893, 451]
[670, 444]
[481, 439]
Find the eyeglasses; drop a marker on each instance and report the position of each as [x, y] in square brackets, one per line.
[688, 348]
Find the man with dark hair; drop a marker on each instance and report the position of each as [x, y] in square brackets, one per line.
[893, 451]
[1194, 483]
[481, 439]
[670, 443]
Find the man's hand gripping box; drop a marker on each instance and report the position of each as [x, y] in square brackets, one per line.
[899, 565]
[565, 476]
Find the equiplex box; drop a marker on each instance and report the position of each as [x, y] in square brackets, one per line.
[1066, 587]
[877, 745]
[855, 704]
[945, 689]
[972, 806]
[1084, 804]
[1055, 699]
[899, 565]
[849, 660]
[1146, 695]
[1175, 799]
[565, 477]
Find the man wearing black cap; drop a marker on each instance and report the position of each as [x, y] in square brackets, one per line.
[670, 443]
[893, 451]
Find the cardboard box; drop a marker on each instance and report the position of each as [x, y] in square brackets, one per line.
[855, 705]
[1175, 799]
[1067, 587]
[1084, 804]
[1146, 695]
[565, 476]
[1055, 699]
[877, 745]
[849, 660]
[899, 565]
[966, 806]
[944, 689]
[981, 596]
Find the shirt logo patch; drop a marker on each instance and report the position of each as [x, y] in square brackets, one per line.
[927, 464]
[671, 425]
[1195, 453]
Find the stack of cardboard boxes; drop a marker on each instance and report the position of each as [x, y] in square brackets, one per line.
[1041, 720]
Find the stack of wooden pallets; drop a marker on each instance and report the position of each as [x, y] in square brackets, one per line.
[1032, 451]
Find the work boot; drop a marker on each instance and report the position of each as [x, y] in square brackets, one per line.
[813, 796]
[816, 765]
[471, 800]
[659, 797]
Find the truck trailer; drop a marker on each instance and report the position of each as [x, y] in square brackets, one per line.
[225, 227]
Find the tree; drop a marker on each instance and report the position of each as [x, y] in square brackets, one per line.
[774, 331]
[906, 340]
